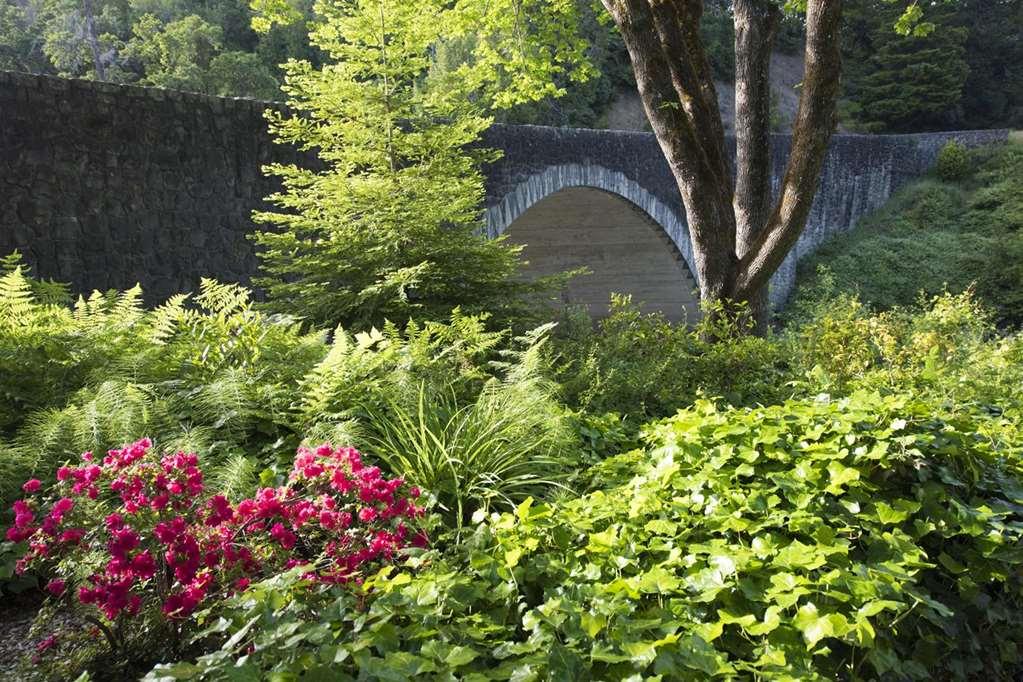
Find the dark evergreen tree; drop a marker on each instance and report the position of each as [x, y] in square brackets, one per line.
[914, 82]
[993, 93]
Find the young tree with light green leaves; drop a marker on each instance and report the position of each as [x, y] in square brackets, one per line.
[390, 226]
[740, 233]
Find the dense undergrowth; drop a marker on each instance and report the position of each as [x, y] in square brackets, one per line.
[817, 539]
[842, 499]
[961, 228]
[871, 535]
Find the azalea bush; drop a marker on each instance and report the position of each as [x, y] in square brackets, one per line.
[865, 538]
[136, 543]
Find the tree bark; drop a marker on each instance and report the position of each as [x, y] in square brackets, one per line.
[815, 122]
[738, 241]
[680, 101]
[756, 24]
[90, 34]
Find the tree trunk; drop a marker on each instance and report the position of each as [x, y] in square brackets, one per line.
[756, 24]
[90, 34]
[738, 241]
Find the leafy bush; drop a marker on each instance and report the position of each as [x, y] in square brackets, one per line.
[372, 369]
[933, 236]
[643, 366]
[868, 538]
[139, 542]
[216, 376]
[604, 435]
[219, 377]
[946, 348]
[953, 162]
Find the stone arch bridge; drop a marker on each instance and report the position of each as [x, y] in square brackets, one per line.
[106, 185]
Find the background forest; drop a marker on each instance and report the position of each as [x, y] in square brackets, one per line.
[893, 83]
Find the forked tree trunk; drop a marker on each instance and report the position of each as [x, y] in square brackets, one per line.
[738, 239]
[756, 23]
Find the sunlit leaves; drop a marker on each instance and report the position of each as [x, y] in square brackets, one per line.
[848, 554]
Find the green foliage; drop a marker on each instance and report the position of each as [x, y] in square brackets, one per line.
[511, 443]
[391, 228]
[218, 377]
[581, 104]
[205, 47]
[915, 81]
[10, 581]
[862, 538]
[932, 349]
[946, 65]
[222, 378]
[643, 366]
[187, 54]
[177, 54]
[953, 162]
[374, 369]
[934, 236]
[605, 435]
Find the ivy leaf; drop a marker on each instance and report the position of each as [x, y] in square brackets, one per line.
[840, 475]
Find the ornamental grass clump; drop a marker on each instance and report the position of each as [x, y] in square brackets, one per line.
[136, 543]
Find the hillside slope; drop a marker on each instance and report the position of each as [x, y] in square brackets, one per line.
[626, 111]
[934, 235]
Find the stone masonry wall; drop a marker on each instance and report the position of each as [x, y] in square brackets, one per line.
[106, 185]
[860, 173]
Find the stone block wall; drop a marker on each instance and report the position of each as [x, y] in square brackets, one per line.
[105, 185]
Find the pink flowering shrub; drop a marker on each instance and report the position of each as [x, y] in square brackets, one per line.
[155, 541]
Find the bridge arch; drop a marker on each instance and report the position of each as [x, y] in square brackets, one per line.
[575, 215]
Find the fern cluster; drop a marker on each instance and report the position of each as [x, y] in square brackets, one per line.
[207, 374]
[212, 374]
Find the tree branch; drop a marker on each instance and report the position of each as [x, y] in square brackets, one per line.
[756, 23]
[815, 122]
[674, 88]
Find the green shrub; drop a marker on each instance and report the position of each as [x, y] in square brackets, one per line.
[643, 366]
[225, 379]
[934, 236]
[373, 369]
[512, 442]
[953, 162]
[216, 376]
[864, 538]
[946, 348]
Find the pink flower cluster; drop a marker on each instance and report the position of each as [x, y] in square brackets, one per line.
[166, 543]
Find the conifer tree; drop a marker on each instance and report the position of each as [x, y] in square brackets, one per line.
[914, 82]
[390, 227]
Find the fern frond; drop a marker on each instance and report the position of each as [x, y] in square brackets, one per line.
[17, 303]
[164, 320]
[127, 308]
[238, 477]
[222, 299]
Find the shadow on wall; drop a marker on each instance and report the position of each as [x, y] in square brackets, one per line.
[625, 251]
